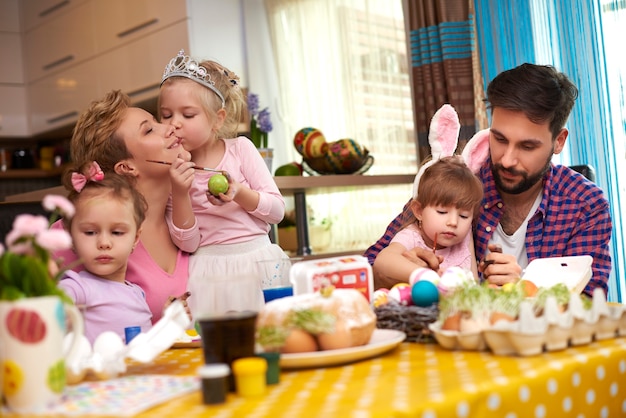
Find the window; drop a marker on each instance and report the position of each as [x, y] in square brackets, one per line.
[343, 68]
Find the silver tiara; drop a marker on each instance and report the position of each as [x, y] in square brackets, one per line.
[184, 66]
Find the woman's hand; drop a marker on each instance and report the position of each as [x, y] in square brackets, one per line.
[183, 298]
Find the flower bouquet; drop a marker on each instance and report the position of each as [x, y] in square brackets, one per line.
[260, 122]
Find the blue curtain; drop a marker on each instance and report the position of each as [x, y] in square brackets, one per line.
[567, 35]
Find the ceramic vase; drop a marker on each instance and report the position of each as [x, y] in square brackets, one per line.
[32, 359]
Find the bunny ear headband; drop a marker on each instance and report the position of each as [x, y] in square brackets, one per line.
[443, 139]
[94, 173]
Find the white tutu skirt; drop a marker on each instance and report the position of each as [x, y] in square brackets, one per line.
[231, 277]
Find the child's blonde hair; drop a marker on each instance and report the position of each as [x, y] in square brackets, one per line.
[227, 83]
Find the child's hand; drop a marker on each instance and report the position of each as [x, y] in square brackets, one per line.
[183, 298]
[182, 174]
[224, 198]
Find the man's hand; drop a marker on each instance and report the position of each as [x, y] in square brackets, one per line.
[498, 268]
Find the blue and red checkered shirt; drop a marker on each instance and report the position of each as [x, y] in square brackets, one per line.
[573, 218]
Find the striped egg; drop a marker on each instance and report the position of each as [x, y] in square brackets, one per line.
[310, 143]
[26, 325]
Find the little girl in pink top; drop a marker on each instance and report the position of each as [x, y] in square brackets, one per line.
[227, 234]
[105, 230]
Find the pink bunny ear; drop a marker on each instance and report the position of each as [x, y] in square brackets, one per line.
[443, 135]
[476, 150]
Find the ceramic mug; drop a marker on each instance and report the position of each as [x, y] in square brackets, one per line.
[32, 359]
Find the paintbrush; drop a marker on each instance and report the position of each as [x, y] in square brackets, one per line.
[197, 168]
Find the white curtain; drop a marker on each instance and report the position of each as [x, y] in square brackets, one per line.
[342, 68]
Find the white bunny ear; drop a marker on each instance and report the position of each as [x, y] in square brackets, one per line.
[476, 150]
[443, 137]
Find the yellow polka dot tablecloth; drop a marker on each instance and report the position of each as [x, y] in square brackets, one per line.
[423, 381]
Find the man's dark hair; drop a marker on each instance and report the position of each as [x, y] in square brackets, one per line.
[540, 91]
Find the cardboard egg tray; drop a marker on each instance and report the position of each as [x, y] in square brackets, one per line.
[554, 330]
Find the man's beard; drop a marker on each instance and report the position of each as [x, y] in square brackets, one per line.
[526, 183]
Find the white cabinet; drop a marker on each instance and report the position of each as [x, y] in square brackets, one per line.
[122, 21]
[60, 43]
[11, 69]
[137, 68]
[57, 100]
[13, 111]
[37, 12]
[9, 18]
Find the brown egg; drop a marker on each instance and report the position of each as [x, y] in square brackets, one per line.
[529, 288]
[341, 337]
[299, 341]
[452, 323]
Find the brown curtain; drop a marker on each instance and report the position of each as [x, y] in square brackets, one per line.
[444, 66]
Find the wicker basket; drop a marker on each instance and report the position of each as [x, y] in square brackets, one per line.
[412, 320]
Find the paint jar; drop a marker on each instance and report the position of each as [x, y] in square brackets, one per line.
[250, 376]
[214, 382]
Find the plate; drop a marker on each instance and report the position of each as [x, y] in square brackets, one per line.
[188, 341]
[382, 340]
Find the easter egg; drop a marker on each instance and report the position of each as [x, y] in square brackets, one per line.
[26, 325]
[345, 155]
[401, 293]
[422, 273]
[310, 142]
[452, 278]
[218, 184]
[380, 297]
[424, 293]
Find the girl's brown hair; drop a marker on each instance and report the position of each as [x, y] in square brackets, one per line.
[117, 186]
[448, 182]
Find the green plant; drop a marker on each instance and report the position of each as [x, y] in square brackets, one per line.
[26, 265]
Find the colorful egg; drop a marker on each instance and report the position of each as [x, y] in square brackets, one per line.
[401, 293]
[345, 155]
[424, 293]
[380, 297]
[310, 143]
[454, 277]
[423, 273]
[25, 325]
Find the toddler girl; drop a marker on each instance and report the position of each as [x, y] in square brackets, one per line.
[227, 233]
[439, 217]
[105, 230]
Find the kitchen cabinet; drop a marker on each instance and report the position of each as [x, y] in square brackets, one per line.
[136, 69]
[98, 45]
[13, 111]
[60, 43]
[57, 100]
[123, 21]
[38, 12]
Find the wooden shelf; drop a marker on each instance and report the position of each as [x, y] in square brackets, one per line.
[293, 184]
[30, 173]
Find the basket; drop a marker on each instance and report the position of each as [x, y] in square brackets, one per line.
[412, 320]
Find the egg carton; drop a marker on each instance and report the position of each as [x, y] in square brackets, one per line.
[532, 335]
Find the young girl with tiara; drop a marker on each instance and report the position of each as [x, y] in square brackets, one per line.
[446, 199]
[105, 230]
[228, 233]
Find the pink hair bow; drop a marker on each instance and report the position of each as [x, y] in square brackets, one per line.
[94, 173]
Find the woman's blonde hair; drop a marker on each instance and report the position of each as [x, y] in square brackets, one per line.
[94, 137]
[227, 83]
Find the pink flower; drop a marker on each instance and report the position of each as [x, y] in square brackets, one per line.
[54, 240]
[53, 202]
[1, 249]
[26, 224]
